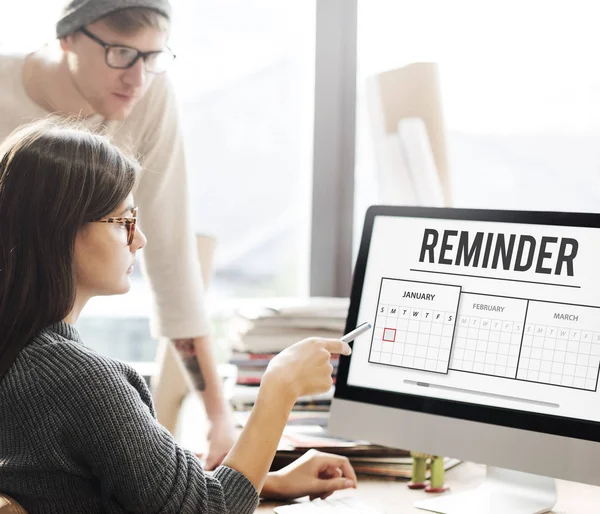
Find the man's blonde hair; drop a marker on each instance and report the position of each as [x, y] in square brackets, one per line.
[128, 21]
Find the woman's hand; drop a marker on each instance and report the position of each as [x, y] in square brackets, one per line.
[315, 474]
[304, 368]
[299, 370]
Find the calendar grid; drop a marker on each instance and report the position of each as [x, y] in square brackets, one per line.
[488, 343]
[559, 355]
[518, 344]
[411, 334]
[522, 337]
[588, 369]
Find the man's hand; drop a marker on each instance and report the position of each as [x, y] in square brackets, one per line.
[221, 437]
[201, 370]
[315, 474]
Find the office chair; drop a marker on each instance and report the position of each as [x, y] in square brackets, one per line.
[10, 506]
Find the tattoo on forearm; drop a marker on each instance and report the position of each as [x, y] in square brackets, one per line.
[187, 352]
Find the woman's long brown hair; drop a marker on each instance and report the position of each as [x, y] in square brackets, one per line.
[54, 179]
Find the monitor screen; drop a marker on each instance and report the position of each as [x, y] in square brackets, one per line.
[489, 316]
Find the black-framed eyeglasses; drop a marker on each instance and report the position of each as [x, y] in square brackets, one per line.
[122, 57]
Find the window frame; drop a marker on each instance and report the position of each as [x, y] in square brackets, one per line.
[331, 256]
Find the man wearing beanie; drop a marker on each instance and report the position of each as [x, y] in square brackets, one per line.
[107, 67]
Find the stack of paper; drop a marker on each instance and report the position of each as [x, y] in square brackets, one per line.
[258, 333]
[272, 328]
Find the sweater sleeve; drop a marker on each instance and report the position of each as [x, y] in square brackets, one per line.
[111, 431]
[170, 257]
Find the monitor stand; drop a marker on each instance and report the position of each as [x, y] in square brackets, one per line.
[502, 491]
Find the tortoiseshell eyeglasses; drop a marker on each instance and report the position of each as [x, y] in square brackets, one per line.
[129, 222]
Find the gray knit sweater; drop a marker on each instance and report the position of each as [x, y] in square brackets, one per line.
[78, 435]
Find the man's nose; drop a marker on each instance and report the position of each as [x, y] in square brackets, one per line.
[136, 75]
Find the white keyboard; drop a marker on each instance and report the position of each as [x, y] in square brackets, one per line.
[345, 505]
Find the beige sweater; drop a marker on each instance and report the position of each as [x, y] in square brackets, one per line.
[152, 133]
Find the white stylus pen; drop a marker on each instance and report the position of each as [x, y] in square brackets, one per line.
[361, 329]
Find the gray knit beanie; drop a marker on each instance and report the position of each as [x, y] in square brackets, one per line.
[78, 13]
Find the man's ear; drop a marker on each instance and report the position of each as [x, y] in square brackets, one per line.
[66, 43]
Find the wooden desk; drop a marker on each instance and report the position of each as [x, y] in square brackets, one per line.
[393, 497]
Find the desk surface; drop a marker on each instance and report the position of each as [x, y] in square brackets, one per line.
[394, 497]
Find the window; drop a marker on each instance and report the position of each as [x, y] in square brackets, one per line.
[20, 31]
[245, 74]
[520, 94]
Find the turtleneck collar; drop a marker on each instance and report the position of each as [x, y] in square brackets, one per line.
[66, 330]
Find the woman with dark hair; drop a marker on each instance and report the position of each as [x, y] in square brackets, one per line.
[77, 429]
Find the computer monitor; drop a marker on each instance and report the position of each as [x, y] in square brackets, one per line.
[485, 347]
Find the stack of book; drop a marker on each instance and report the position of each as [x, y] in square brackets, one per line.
[251, 368]
[258, 334]
[308, 411]
[366, 459]
[268, 329]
